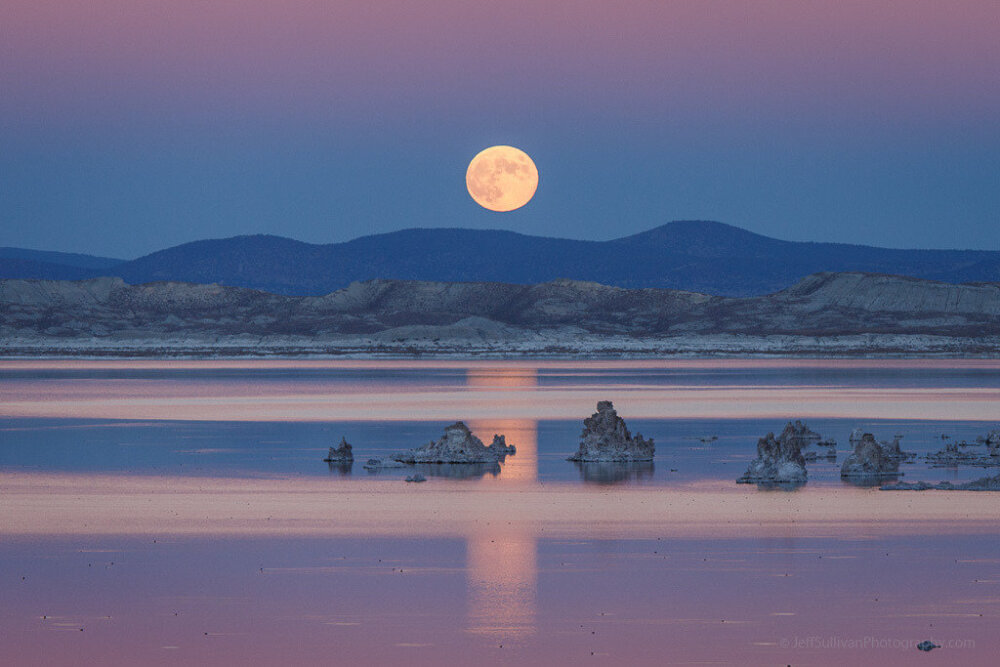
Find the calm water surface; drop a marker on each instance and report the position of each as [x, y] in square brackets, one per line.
[175, 512]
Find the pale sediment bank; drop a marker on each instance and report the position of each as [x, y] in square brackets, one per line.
[555, 344]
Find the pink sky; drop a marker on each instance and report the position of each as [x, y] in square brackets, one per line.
[750, 56]
[132, 125]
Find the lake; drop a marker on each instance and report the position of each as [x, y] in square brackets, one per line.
[164, 512]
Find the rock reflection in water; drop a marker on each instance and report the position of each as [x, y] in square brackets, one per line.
[458, 470]
[780, 486]
[340, 469]
[448, 470]
[611, 472]
[873, 480]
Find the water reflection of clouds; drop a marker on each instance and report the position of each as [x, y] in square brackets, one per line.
[500, 529]
[321, 600]
[502, 582]
[298, 402]
[86, 425]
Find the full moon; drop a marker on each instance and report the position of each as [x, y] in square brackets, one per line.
[501, 178]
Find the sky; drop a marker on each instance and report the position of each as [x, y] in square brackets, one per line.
[127, 126]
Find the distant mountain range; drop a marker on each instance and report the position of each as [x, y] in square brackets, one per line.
[699, 256]
[46, 265]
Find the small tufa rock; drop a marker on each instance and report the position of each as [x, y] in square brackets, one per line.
[606, 438]
[927, 645]
[416, 478]
[799, 429]
[500, 446]
[951, 454]
[779, 460]
[869, 463]
[458, 445]
[806, 436]
[341, 454]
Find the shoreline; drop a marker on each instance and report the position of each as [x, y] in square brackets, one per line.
[859, 346]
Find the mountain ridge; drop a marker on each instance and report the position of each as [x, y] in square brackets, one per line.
[702, 256]
[79, 260]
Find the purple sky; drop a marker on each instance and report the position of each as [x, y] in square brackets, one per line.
[130, 125]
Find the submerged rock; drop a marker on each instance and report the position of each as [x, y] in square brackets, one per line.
[927, 645]
[376, 464]
[779, 460]
[341, 454]
[893, 449]
[909, 486]
[953, 455]
[992, 441]
[458, 445]
[799, 429]
[869, 463]
[416, 478]
[981, 484]
[828, 455]
[806, 436]
[799, 432]
[606, 438]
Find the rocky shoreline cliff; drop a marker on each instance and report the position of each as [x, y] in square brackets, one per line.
[825, 314]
